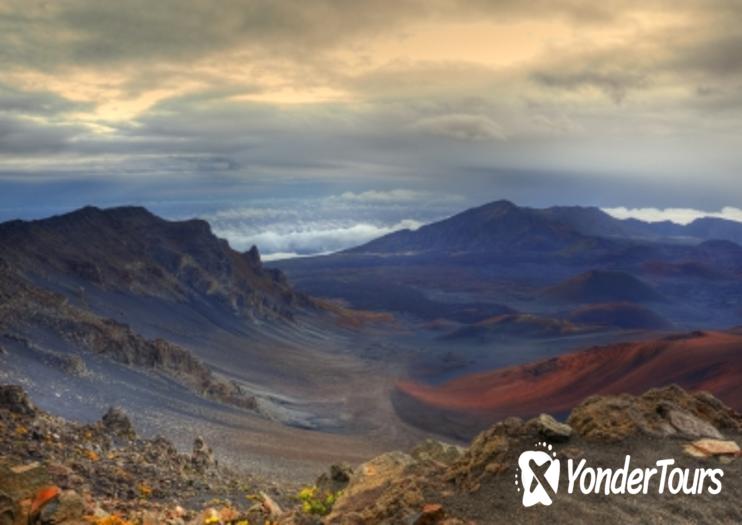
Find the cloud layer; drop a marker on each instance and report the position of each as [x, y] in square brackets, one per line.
[309, 238]
[676, 215]
[562, 101]
[283, 228]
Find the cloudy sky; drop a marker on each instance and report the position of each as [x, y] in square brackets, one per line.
[306, 125]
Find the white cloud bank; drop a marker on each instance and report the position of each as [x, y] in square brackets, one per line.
[677, 215]
[296, 227]
[308, 238]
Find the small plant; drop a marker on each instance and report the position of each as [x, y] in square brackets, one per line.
[212, 517]
[108, 520]
[145, 491]
[315, 501]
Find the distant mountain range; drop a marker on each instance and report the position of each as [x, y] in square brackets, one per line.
[596, 222]
[497, 226]
[531, 260]
[503, 225]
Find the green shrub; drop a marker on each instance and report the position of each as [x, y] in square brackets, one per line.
[315, 501]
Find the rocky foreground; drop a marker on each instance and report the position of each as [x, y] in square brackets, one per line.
[57, 472]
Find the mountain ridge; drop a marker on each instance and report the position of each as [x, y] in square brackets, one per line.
[493, 226]
[565, 222]
[131, 250]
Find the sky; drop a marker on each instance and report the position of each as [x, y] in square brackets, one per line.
[311, 125]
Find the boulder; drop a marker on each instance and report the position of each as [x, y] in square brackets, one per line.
[44, 497]
[690, 426]
[433, 450]
[273, 509]
[369, 481]
[117, 423]
[431, 514]
[552, 429]
[202, 456]
[486, 456]
[712, 447]
[24, 480]
[74, 365]
[67, 509]
[340, 473]
[9, 509]
[15, 399]
[336, 479]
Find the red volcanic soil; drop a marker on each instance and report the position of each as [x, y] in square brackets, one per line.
[709, 361]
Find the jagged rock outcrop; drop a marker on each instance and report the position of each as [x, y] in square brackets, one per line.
[253, 256]
[433, 450]
[661, 412]
[478, 485]
[132, 251]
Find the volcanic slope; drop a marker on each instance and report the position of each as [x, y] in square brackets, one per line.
[709, 361]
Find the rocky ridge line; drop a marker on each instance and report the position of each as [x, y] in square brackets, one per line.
[25, 308]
